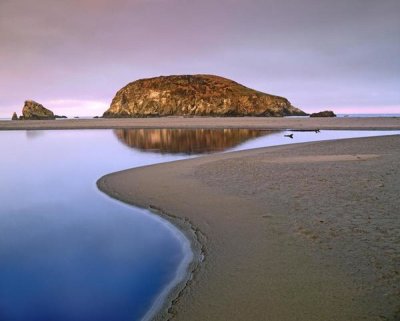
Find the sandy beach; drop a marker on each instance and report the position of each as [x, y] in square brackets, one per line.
[299, 232]
[200, 160]
[277, 123]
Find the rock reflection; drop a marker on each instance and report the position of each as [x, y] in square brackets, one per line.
[32, 134]
[186, 141]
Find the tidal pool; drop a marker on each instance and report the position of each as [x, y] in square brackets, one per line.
[69, 252]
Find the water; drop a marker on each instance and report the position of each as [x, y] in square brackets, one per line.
[278, 138]
[203, 141]
[355, 115]
[184, 141]
[368, 115]
[69, 252]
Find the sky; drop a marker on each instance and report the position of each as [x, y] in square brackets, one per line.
[73, 55]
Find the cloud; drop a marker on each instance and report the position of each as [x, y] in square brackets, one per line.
[307, 50]
[70, 107]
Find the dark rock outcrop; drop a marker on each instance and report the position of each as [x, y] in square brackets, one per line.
[195, 95]
[35, 111]
[58, 116]
[14, 116]
[325, 113]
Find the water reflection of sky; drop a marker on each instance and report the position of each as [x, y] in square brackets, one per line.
[278, 138]
[68, 252]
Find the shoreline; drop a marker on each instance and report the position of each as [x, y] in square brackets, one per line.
[163, 302]
[135, 187]
[262, 123]
[163, 306]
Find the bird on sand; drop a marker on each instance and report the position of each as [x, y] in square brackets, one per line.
[290, 136]
[317, 130]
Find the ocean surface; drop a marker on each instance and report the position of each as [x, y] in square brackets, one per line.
[69, 252]
[368, 115]
[354, 115]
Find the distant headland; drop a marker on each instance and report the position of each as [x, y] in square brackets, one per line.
[195, 95]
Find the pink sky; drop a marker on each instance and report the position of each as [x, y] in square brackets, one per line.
[72, 56]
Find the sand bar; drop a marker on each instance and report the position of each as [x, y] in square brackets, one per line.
[298, 232]
[382, 123]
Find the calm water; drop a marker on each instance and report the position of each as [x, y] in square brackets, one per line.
[368, 115]
[200, 141]
[68, 252]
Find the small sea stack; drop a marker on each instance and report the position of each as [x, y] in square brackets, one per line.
[35, 111]
[14, 116]
[325, 113]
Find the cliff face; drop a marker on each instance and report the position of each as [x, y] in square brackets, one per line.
[195, 95]
[35, 111]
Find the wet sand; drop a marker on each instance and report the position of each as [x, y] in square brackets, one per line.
[299, 232]
[208, 122]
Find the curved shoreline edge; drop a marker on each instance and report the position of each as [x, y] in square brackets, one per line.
[133, 187]
[163, 306]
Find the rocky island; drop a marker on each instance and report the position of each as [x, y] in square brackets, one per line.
[35, 111]
[325, 113]
[195, 95]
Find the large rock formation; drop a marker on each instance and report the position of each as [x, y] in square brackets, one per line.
[195, 95]
[325, 113]
[36, 111]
